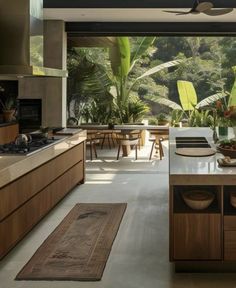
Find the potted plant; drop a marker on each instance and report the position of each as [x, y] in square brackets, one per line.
[8, 109]
[162, 119]
[8, 103]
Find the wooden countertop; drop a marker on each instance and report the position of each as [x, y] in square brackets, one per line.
[13, 167]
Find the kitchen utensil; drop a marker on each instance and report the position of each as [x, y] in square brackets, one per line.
[23, 139]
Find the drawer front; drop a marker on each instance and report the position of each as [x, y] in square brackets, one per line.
[230, 245]
[197, 236]
[19, 191]
[229, 223]
[14, 227]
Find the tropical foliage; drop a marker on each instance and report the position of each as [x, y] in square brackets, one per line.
[132, 80]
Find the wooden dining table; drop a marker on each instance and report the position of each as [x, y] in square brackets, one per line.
[125, 129]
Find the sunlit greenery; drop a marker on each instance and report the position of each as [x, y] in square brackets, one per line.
[104, 84]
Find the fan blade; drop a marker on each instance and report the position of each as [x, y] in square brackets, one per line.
[204, 6]
[177, 12]
[218, 12]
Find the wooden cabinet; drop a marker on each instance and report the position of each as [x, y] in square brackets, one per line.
[8, 133]
[26, 200]
[202, 235]
[197, 236]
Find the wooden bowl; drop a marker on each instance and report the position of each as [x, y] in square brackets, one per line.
[198, 199]
[233, 199]
[227, 152]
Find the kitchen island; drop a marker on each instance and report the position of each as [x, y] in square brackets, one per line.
[31, 185]
[201, 240]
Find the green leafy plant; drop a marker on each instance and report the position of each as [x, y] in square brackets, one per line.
[189, 106]
[122, 63]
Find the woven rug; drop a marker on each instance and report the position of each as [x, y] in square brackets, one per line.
[79, 247]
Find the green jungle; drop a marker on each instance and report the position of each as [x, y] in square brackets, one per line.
[173, 79]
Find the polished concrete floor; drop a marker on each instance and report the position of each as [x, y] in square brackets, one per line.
[139, 256]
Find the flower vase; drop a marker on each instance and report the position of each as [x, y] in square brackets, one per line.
[214, 136]
[223, 131]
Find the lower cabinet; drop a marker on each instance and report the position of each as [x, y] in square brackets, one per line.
[197, 236]
[15, 225]
[200, 236]
[230, 245]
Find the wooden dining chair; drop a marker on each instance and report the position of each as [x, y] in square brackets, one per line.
[126, 140]
[107, 137]
[93, 138]
[157, 137]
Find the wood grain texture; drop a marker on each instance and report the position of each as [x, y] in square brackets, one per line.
[8, 133]
[195, 152]
[197, 236]
[21, 190]
[79, 247]
[230, 222]
[14, 227]
[230, 245]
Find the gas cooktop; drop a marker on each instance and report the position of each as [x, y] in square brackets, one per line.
[27, 148]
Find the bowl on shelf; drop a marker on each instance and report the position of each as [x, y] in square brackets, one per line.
[233, 199]
[198, 199]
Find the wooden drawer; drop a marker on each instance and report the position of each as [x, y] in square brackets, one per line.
[230, 223]
[14, 227]
[197, 236]
[18, 192]
[230, 245]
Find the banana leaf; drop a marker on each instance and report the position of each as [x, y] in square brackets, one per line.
[140, 48]
[232, 97]
[120, 57]
[187, 95]
[166, 102]
[211, 99]
[159, 68]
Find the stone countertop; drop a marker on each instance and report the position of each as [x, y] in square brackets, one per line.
[123, 127]
[14, 166]
[184, 165]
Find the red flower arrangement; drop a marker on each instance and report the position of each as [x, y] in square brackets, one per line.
[230, 114]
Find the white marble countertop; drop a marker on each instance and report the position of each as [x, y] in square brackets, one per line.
[13, 167]
[184, 165]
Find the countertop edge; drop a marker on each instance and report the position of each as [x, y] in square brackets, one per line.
[17, 166]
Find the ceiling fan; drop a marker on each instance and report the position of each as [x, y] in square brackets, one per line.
[203, 7]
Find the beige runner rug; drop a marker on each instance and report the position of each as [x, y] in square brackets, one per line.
[79, 247]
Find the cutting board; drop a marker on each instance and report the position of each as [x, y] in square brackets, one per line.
[195, 152]
[68, 131]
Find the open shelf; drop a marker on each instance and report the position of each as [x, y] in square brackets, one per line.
[228, 208]
[181, 207]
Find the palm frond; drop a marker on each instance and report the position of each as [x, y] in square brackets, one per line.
[211, 99]
[159, 68]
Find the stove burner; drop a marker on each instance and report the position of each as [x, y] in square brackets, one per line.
[25, 148]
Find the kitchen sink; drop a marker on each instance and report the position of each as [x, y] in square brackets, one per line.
[192, 142]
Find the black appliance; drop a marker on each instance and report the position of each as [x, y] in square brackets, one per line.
[27, 148]
[29, 114]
